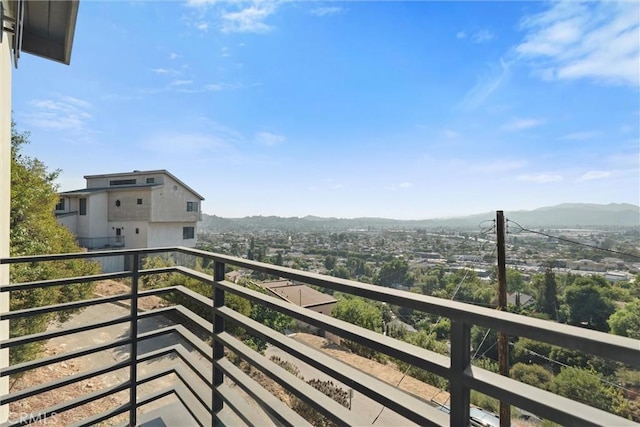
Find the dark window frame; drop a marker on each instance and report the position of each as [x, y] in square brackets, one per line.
[192, 206]
[82, 206]
[188, 233]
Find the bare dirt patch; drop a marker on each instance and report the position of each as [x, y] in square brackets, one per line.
[386, 372]
[22, 408]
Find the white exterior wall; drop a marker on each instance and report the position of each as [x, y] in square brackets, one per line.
[131, 239]
[129, 209]
[170, 203]
[5, 201]
[97, 214]
[170, 234]
[103, 182]
[71, 222]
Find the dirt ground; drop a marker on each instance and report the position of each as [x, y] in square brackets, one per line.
[385, 372]
[49, 373]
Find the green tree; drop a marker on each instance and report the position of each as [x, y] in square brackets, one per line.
[533, 374]
[393, 272]
[588, 305]
[330, 262]
[547, 289]
[626, 320]
[586, 386]
[515, 281]
[35, 231]
[360, 313]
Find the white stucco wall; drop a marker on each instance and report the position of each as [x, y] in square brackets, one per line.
[132, 240]
[97, 214]
[169, 203]
[169, 234]
[129, 209]
[5, 202]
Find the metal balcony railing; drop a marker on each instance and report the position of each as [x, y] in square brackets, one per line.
[101, 242]
[204, 393]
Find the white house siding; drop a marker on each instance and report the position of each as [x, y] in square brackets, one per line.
[132, 240]
[5, 201]
[71, 222]
[129, 209]
[104, 181]
[169, 234]
[98, 226]
[170, 202]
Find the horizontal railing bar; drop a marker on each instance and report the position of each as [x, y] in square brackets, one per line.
[202, 417]
[416, 410]
[184, 375]
[600, 344]
[82, 255]
[67, 405]
[64, 306]
[195, 320]
[406, 352]
[176, 349]
[240, 407]
[314, 398]
[271, 404]
[552, 406]
[103, 416]
[61, 382]
[26, 339]
[60, 282]
[38, 363]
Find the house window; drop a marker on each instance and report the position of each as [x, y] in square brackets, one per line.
[117, 203]
[188, 232]
[60, 205]
[192, 206]
[151, 180]
[139, 201]
[82, 208]
[122, 182]
[137, 231]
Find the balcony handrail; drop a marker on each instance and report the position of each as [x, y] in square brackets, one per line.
[458, 370]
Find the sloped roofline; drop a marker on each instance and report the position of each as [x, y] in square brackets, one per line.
[137, 173]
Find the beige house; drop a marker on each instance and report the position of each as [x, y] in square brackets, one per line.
[131, 210]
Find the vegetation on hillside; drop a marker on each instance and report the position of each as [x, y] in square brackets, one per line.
[35, 231]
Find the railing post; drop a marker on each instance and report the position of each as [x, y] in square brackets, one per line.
[133, 333]
[460, 362]
[218, 327]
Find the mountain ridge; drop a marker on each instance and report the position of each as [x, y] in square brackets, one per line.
[565, 215]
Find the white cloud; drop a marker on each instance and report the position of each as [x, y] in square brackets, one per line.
[596, 40]
[482, 36]
[164, 71]
[581, 136]
[180, 82]
[541, 178]
[324, 11]
[250, 19]
[461, 35]
[591, 175]
[61, 113]
[521, 124]
[405, 185]
[202, 26]
[173, 56]
[485, 87]
[269, 139]
[184, 144]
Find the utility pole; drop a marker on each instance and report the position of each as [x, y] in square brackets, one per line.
[503, 341]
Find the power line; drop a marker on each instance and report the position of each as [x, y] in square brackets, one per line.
[563, 239]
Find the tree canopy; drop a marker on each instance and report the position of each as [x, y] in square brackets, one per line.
[35, 231]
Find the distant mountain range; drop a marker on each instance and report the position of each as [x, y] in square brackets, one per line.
[566, 215]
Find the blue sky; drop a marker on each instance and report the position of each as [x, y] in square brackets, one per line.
[402, 110]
